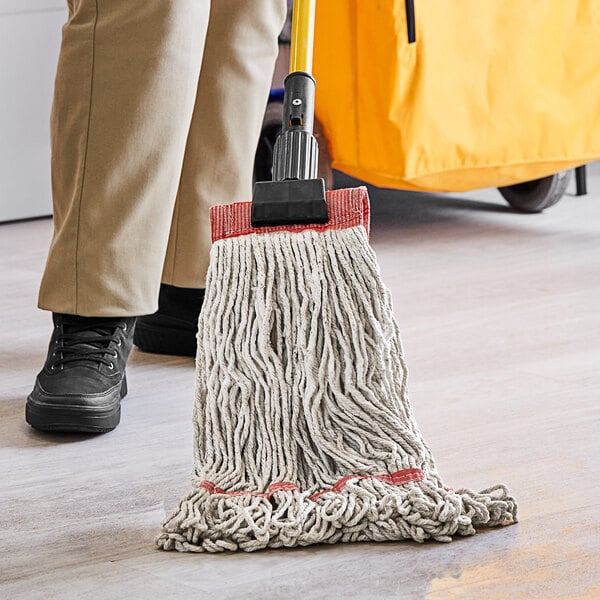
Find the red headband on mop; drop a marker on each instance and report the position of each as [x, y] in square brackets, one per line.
[347, 208]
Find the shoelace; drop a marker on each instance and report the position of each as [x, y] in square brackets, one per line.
[68, 345]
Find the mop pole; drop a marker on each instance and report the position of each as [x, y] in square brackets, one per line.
[303, 35]
[296, 195]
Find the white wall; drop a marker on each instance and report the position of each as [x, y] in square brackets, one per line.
[30, 32]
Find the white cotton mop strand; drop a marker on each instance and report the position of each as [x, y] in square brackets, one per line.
[303, 429]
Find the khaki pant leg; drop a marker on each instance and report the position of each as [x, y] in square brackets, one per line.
[124, 97]
[239, 58]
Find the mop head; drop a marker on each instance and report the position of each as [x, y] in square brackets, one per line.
[303, 429]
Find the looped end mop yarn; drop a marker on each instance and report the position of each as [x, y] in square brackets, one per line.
[303, 429]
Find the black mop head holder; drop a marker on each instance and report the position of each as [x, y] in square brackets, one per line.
[296, 195]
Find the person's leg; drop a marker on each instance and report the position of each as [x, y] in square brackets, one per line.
[239, 59]
[124, 96]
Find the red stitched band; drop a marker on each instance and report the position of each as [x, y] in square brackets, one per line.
[396, 478]
[347, 208]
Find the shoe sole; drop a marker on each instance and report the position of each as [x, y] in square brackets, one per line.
[74, 419]
[164, 340]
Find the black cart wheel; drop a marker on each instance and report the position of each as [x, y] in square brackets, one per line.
[271, 128]
[534, 196]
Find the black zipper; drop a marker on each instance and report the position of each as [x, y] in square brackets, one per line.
[410, 21]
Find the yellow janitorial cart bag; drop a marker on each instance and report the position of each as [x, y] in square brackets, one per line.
[452, 95]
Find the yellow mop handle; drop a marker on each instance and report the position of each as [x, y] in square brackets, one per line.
[303, 33]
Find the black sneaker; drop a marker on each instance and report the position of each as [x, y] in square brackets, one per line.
[82, 383]
[173, 328]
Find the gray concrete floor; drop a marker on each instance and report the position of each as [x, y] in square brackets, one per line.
[501, 327]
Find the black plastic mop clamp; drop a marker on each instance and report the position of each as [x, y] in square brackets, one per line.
[296, 195]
